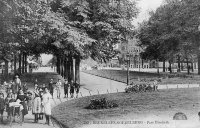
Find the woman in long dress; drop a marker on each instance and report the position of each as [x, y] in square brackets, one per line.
[47, 105]
[36, 108]
[22, 97]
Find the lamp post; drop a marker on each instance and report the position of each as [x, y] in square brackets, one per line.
[128, 63]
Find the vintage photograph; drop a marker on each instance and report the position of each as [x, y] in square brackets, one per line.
[99, 63]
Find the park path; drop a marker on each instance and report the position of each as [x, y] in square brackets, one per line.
[91, 85]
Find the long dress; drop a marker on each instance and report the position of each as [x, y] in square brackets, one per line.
[23, 98]
[36, 104]
[47, 103]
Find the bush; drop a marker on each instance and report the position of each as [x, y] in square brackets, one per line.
[101, 104]
[139, 88]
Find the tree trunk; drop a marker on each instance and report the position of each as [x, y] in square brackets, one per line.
[198, 63]
[163, 65]
[182, 66]
[58, 64]
[25, 61]
[20, 62]
[68, 69]
[72, 68]
[15, 64]
[62, 67]
[188, 68]
[170, 67]
[192, 67]
[179, 64]
[77, 70]
[6, 70]
[65, 68]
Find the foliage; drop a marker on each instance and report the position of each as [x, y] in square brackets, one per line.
[101, 104]
[103, 22]
[171, 30]
[139, 88]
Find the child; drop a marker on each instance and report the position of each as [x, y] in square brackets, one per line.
[30, 100]
[77, 87]
[8, 87]
[72, 89]
[42, 107]
[8, 100]
[25, 88]
[2, 105]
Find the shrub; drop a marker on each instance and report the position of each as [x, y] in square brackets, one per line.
[101, 104]
[139, 88]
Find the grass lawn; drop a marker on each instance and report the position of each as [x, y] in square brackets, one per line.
[143, 106]
[138, 77]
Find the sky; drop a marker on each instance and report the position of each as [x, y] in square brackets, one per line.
[144, 5]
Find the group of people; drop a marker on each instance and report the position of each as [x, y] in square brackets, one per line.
[38, 101]
[44, 94]
[69, 88]
[15, 92]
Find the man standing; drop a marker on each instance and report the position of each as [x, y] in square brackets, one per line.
[51, 87]
[66, 87]
[47, 105]
[16, 86]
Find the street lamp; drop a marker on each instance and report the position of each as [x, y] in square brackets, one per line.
[128, 63]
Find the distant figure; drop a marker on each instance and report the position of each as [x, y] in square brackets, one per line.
[77, 87]
[16, 86]
[66, 88]
[72, 89]
[51, 88]
[58, 88]
[155, 85]
[47, 105]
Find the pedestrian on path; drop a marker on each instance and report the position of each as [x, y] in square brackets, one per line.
[22, 97]
[58, 88]
[47, 105]
[9, 99]
[66, 88]
[72, 89]
[16, 86]
[36, 109]
[77, 87]
[51, 88]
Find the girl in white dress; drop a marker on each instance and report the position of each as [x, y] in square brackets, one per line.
[47, 105]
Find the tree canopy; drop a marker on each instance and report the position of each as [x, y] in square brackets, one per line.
[171, 30]
[65, 27]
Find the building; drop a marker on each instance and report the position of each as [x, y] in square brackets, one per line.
[130, 50]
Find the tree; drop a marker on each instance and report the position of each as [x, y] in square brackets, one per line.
[169, 27]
